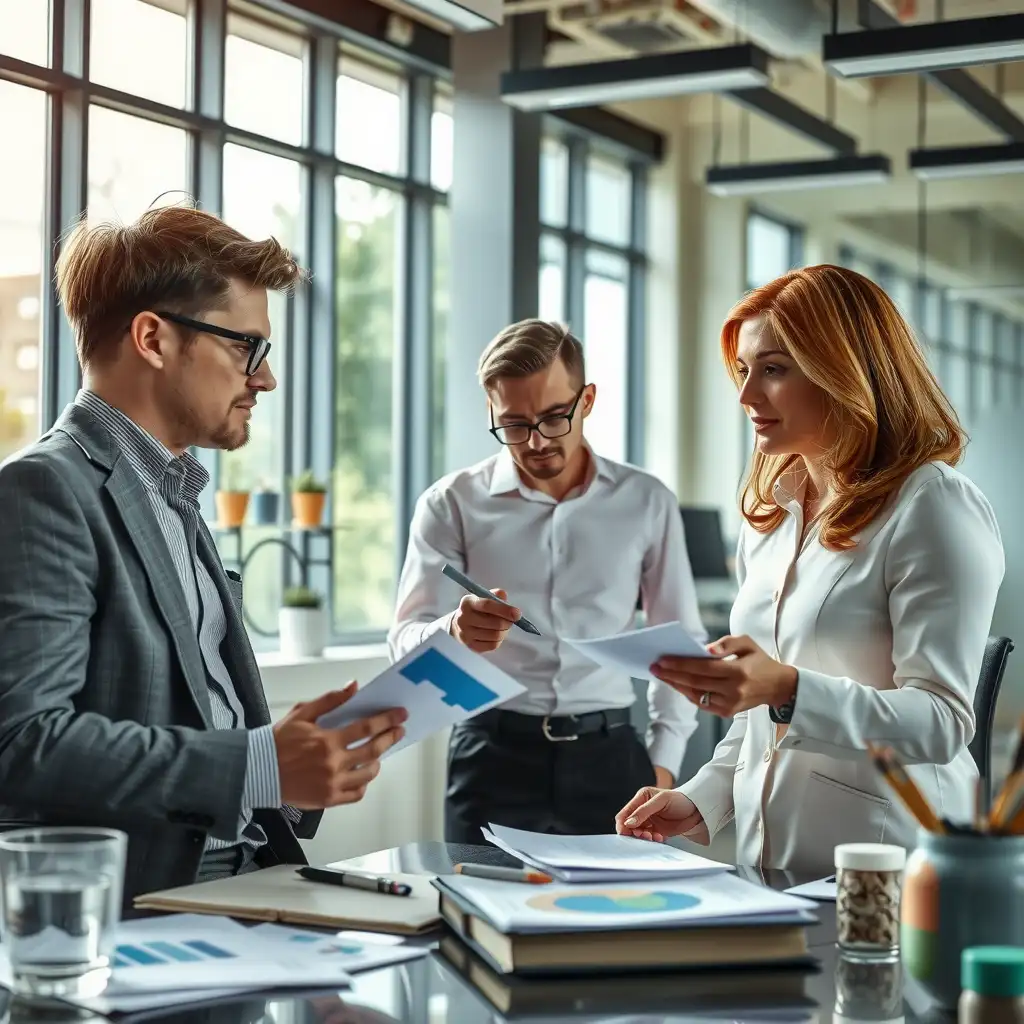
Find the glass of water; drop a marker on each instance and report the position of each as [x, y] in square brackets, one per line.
[61, 898]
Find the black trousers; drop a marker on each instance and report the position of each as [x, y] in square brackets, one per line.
[525, 772]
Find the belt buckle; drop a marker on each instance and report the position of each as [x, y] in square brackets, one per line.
[550, 737]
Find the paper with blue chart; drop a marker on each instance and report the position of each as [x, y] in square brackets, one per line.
[185, 958]
[440, 683]
[353, 951]
[636, 650]
[600, 858]
[708, 899]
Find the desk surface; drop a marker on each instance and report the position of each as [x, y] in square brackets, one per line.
[428, 991]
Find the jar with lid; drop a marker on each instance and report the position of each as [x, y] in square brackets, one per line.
[992, 979]
[868, 879]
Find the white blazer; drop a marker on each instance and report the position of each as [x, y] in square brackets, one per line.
[888, 639]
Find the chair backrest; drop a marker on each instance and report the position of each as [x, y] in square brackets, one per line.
[993, 665]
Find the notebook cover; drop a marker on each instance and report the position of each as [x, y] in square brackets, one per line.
[281, 894]
[716, 991]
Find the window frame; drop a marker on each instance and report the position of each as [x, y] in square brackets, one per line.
[309, 376]
[577, 242]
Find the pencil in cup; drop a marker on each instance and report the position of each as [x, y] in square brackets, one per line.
[528, 875]
[904, 787]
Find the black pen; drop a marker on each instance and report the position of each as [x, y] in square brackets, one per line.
[474, 588]
[333, 876]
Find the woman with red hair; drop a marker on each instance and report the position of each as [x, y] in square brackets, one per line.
[868, 569]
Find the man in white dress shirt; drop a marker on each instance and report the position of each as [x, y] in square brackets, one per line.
[570, 539]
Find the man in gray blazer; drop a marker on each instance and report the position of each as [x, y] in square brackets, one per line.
[129, 694]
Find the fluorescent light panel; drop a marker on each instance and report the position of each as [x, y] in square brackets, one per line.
[967, 161]
[471, 16]
[934, 46]
[786, 176]
[665, 74]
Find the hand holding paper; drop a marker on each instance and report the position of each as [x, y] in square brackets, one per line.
[636, 651]
[439, 683]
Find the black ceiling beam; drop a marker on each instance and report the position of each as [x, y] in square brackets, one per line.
[373, 26]
[794, 118]
[957, 82]
[632, 140]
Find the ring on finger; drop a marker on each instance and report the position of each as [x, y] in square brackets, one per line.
[705, 699]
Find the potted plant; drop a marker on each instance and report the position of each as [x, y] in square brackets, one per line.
[308, 498]
[302, 623]
[265, 504]
[232, 499]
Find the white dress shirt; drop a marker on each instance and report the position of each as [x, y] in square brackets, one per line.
[573, 567]
[888, 639]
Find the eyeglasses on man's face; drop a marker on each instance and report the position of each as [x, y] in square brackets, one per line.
[258, 347]
[557, 425]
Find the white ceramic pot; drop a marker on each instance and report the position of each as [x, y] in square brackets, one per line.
[303, 631]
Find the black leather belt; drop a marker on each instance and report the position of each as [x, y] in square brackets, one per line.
[553, 728]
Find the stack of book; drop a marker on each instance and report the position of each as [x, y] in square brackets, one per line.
[631, 907]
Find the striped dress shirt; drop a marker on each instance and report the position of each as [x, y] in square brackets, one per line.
[174, 484]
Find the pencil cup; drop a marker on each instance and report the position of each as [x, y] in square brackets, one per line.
[959, 891]
[868, 900]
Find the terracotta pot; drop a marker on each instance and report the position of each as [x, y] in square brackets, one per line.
[308, 508]
[231, 507]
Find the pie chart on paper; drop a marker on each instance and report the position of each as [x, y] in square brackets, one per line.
[614, 901]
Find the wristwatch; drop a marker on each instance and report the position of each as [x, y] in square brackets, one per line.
[783, 713]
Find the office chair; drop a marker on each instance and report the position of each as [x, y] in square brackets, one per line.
[993, 665]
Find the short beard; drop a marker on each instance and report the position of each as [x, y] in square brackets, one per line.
[544, 470]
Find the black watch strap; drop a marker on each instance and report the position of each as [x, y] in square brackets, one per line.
[783, 714]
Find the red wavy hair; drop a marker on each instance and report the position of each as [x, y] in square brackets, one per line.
[847, 337]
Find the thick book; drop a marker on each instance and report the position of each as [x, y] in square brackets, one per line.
[281, 894]
[753, 994]
[771, 938]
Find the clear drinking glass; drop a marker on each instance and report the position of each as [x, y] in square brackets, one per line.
[61, 899]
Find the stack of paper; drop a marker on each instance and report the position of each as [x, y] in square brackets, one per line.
[705, 900]
[601, 858]
[185, 958]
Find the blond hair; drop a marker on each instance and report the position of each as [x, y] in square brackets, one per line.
[847, 337]
[528, 347]
[176, 258]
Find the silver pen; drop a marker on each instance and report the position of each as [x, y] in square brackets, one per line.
[474, 588]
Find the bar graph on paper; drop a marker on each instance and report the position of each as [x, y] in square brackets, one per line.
[164, 952]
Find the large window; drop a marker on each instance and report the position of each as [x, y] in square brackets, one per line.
[22, 117]
[592, 268]
[972, 348]
[773, 248]
[288, 132]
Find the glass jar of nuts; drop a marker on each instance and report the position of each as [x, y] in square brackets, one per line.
[868, 879]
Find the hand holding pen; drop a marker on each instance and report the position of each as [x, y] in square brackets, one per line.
[484, 617]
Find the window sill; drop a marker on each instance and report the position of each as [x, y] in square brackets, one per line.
[287, 679]
[346, 652]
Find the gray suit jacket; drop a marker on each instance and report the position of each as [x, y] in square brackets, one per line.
[104, 705]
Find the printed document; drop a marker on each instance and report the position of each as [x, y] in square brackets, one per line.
[634, 652]
[440, 683]
[600, 858]
[712, 899]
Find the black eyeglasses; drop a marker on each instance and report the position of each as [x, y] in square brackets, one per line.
[549, 426]
[258, 347]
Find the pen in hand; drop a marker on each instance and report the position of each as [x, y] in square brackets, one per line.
[474, 588]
